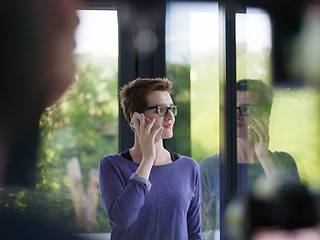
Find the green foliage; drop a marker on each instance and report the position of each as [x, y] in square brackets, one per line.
[294, 128]
[253, 65]
[82, 124]
[204, 108]
[180, 75]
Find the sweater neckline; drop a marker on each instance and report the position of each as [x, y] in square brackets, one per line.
[126, 154]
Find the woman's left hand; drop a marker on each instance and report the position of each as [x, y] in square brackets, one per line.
[261, 144]
[260, 125]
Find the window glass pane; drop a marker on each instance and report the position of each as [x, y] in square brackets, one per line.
[82, 127]
[293, 115]
[302, 110]
[192, 56]
[293, 129]
[204, 82]
[253, 46]
[277, 125]
[192, 64]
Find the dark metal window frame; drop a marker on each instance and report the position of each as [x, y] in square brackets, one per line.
[227, 78]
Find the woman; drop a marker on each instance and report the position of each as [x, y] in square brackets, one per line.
[254, 102]
[149, 192]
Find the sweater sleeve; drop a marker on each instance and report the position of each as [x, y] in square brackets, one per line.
[193, 216]
[209, 201]
[288, 164]
[122, 202]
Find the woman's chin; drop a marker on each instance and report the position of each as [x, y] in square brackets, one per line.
[167, 135]
[243, 136]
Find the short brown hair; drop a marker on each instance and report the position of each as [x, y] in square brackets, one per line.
[133, 95]
[257, 86]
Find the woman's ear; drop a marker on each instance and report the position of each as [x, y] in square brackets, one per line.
[131, 114]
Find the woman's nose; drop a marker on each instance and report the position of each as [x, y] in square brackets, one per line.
[169, 114]
[238, 113]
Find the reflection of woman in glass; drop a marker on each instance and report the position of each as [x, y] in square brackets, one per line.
[254, 101]
[147, 191]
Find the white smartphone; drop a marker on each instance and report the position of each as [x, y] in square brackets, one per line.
[138, 116]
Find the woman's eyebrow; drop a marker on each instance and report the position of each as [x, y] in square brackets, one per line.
[169, 105]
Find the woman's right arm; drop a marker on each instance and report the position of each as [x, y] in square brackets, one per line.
[121, 201]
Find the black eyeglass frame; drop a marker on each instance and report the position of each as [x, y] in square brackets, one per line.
[157, 109]
[246, 105]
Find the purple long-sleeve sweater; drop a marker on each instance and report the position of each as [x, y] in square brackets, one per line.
[169, 211]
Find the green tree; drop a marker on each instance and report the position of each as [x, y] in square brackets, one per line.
[82, 124]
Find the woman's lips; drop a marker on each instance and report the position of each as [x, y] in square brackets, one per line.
[239, 125]
[168, 126]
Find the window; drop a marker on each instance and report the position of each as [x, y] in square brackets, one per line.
[292, 107]
[82, 127]
[192, 61]
[192, 65]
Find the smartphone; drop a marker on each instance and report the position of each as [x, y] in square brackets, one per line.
[138, 116]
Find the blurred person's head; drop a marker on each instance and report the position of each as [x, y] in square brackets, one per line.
[254, 99]
[276, 208]
[36, 67]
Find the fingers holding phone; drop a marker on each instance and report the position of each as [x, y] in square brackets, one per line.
[146, 126]
[151, 128]
[146, 131]
[260, 128]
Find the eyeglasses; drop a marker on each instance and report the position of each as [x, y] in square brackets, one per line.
[163, 110]
[246, 110]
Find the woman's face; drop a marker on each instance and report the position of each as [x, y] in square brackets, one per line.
[157, 98]
[245, 98]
